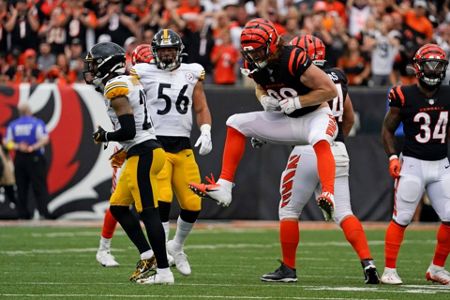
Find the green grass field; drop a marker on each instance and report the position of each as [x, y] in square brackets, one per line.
[44, 262]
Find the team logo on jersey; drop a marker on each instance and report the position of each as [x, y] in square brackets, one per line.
[431, 101]
[190, 77]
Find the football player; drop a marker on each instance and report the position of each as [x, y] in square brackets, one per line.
[294, 93]
[300, 180]
[126, 105]
[423, 108]
[174, 91]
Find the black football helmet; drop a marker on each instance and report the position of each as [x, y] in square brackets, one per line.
[167, 39]
[103, 62]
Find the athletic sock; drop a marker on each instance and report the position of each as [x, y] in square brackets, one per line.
[289, 239]
[326, 165]
[232, 154]
[392, 243]
[354, 233]
[442, 246]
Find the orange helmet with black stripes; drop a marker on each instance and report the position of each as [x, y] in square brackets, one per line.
[259, 40]
[313, 46]
[142, 54]
[430, 64]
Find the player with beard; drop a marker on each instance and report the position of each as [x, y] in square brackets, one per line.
[300, 180]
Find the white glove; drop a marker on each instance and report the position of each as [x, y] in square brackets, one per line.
[289, 105]
[269, 103]
[204, 140]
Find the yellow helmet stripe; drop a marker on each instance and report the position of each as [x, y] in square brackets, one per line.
[165, 35]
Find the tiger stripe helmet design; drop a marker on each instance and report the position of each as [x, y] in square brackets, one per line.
[259, 40]
[142, 54]
[313, 46]
[430, 63]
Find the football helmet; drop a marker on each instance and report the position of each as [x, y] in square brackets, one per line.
[103, 62]
[430, 64]
[167, 48]
[259, 40]
[142, 54]
[313, 46]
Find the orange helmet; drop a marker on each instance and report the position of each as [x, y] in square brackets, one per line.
[259, 40]
[313, 46]
[142, 54]
[430, 63]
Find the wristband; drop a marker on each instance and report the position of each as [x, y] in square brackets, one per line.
[393, 156]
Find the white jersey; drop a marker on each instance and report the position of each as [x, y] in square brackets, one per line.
[130, 87]
[170, 96]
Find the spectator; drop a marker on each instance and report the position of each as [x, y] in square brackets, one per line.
[78, 20]
[359, 12]
[354, 64]
[129, 46]
[113, 25]
[61, 72]
[54, 31]
[224, 57]
[27, 71]
[23, 24]
[46, 58]
[3, 20]
[385, 46]
[27, 136]
[76, 60]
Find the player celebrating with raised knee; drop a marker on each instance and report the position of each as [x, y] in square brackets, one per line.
[294, 96]
[300, 180]
[175, 90]
[423, 108]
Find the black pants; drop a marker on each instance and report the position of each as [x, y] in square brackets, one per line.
[31, 169]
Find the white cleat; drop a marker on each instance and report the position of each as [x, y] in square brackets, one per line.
[438, 274]
[106, 259]
[181, 262]
[219, 191]
[170, 260]
[390, 276]
[325, 201]
[158, 278]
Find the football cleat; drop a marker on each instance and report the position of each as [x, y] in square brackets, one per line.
[158, 278]
[143, 268]
[180, 258]
[438, 274]
[370, 272]
[170, 260]
[390, 276]
[282, 274]
[219, 191]
[325, 201]
[106, 259]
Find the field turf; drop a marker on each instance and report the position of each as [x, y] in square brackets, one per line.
[58, 262]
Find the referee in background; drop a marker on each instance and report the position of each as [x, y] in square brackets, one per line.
[27, 135]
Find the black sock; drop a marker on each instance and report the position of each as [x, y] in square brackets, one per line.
[156, 235]
[164, 210]
[131, 226]
[189, 215]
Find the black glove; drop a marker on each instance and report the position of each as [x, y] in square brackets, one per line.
[99, 136]
[257, 143]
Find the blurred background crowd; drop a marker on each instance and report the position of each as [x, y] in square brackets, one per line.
[373, 41]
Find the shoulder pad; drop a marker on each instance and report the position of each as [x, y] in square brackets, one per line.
[298, 61]
[116, 87]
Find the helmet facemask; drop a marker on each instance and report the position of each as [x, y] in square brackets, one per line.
[259, 56]
[431, 72]
[167, 49]
[99, 70]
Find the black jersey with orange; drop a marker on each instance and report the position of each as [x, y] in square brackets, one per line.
[337, 104]
[424, 120]
[281, 79]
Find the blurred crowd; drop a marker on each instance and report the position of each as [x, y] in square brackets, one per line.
[371, 40]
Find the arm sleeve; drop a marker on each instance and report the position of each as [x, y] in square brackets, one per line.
[127, 130]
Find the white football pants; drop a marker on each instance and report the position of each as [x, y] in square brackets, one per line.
[300, 180]
[415, 176]
[277, 128]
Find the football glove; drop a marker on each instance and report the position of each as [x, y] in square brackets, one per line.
[204, 140]
[99, 135]
[289, 105]
[269, 103]
[118, 158]
[394, 166]
[256, 143]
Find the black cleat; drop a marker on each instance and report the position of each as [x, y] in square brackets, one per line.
[370, 272]
[282, 274]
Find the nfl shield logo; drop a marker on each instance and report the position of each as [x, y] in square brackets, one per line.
[431, 101]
